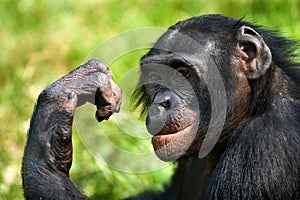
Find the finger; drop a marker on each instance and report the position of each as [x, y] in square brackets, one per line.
[104, 113]
[62, 138]
[104, 104]
[117, 95]
[98, 65]
[66, 113]
[70, 103]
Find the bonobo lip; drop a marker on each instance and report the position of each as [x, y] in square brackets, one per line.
[174, 129]
[170, 132]
[161, 139]
[170, 147]
[175, 132]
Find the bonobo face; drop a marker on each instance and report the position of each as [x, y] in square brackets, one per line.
[196, 84]
[180, 109]
[173, 115]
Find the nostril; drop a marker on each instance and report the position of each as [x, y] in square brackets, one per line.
[166, 104]
[165, 99]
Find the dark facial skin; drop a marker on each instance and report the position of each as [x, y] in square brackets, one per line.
[180, 112]
[174, 100]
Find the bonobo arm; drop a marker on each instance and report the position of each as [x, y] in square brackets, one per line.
[48, 153]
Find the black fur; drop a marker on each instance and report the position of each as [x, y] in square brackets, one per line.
[259, 159]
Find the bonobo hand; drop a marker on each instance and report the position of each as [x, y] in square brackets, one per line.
[48, 153]
[91, 82]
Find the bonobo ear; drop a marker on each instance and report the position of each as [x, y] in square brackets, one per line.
[255, 54]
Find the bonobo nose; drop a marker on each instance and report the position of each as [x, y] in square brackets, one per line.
[166, 98]
[156, 118]
[163, 101]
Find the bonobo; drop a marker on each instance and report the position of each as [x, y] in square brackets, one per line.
[194, 67]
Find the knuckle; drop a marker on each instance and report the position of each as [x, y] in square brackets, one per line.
[99, 65]
[47, 94]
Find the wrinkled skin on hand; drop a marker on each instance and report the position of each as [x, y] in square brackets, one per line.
[48, 153]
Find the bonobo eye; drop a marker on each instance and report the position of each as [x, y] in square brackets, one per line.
[154, 77]
[184, 71]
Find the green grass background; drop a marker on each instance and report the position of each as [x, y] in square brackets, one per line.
[42, 40]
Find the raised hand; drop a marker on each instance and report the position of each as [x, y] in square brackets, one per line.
[48, 153]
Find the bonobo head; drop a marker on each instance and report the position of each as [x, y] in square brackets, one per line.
[184, 76]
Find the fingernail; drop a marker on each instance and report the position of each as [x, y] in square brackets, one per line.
[71, 95]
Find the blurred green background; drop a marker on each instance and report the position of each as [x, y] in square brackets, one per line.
[43, 40]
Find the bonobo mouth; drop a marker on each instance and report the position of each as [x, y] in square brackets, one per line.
[170, 135]
[169, 146]
[173, 130]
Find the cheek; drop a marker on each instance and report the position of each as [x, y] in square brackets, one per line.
[238, 103]
[242, 94]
